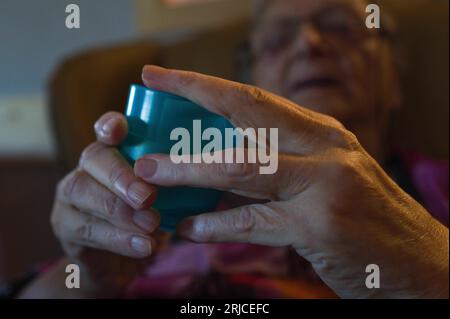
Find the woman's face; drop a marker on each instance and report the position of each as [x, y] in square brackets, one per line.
[320, 54]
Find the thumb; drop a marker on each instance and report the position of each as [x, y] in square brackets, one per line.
[254, 224]
[111, 128]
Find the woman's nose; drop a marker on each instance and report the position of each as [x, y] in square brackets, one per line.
[308, 41]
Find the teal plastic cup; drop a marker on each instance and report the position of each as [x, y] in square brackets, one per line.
[152, 116]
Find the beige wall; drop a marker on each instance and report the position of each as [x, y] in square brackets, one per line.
[153, 17]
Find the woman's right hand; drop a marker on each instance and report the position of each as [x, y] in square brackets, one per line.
[102, 214]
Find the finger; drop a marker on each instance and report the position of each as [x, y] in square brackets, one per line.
[111, 128]
[255, 224]
[87, 195]
[78, 228]
[277, 180]
[229, 99]
[110, 169]
[245, 106]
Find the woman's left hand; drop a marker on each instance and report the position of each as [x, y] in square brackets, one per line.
[328, 199]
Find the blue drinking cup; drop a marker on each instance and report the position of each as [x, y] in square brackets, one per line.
[152, 116]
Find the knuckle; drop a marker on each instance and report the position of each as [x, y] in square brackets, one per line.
[333, 122]
[245, 221]
[256, 218]
[71, 183]
[86, 231]
[268, 218]
[186, 78]
[240, 172]
[110, 205]
[252, 95]
[89, 152]
[117, 172]
[249, 96]
[352, 142]
[113, 206]
[342, 138]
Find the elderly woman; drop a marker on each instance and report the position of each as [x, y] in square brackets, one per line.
[311, 229]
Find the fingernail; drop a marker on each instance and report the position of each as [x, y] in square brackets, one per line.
[144, 72]
[146, 167]
[101, 125]
[145, 221]
[138, 192]
[141, 245]
[98, 125]
[148, 72]
[108, 126]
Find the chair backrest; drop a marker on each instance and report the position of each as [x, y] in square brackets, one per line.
[88, 84]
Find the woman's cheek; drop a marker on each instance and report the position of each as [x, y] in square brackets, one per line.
[268, 76]
[358, 76]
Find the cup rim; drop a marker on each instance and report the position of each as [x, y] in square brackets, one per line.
[159, 93]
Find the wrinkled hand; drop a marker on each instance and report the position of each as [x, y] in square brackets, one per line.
[329, 199]
[101, 213]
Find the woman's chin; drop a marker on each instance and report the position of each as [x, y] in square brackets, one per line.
[328, 102]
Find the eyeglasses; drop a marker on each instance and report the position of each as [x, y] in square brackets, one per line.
[338, 24]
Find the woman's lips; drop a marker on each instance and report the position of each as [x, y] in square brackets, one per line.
[314, 83]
